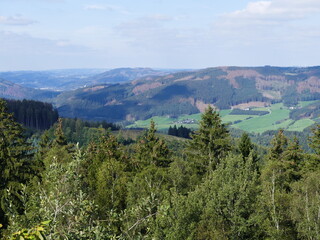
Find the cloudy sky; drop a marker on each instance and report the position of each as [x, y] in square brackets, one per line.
[51, 34]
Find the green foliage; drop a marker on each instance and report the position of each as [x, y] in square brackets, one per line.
[150, 149]
[222, 207]
[201, 188]
[180, 131]
[107, 176]
[60, 199]
[60, 139]
[315, 139]
[305, 206]
[35, 233]
[280, 172]
[210, 143]
[33, 114]
[245, 146]
[84, 132]
[16, 165]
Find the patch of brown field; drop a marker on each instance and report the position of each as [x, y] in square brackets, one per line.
[92, 89]
[184, 78]
[197, 103]
[202, 106]
[233, 74]
[192, 77]
[251, 104]
[191, 100]
[145, 87]
[271, 81]
[203, 78]
[168, 77]
[312, 84]
[112, 102]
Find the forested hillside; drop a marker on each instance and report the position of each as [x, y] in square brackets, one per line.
[190, 92]
[209, 187]
[33, 114]
[131, 94]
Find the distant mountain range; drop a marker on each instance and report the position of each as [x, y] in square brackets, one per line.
[70, 79]
[11, 90]
[129, 94]
[67, 79]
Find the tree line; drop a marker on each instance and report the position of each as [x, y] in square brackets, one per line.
[33, 114]
[181, 131]
[214, 187]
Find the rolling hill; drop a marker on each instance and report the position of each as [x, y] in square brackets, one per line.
[70, 79]
[189, 92]
[11, 90]
[65, 79]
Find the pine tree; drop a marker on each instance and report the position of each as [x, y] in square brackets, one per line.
[315, 139]
[245, 146]
[210, 143]
[16, 164]
[60, 139]
[152, 150]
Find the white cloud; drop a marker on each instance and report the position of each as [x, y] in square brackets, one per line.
[273, 11]
[16, 20]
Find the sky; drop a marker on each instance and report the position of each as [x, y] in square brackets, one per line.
[59, 34]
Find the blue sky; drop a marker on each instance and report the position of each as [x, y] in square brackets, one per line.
[51, 34]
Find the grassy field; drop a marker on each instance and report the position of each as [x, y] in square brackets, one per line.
[277, 118]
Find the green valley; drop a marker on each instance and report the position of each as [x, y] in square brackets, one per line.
[278, 117]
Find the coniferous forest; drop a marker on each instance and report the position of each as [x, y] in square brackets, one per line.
[80, 181]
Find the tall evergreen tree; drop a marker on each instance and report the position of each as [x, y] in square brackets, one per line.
[210, 143]
[315, 139]
[60, 139]
[16, 164]
[245, 146]
[277, 177]
[151, 149]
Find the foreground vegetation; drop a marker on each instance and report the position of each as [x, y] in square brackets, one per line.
[209, 187]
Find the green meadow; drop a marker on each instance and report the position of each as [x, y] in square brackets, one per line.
[278, 117]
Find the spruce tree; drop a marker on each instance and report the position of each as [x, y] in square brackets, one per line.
[245, 146]
[210, 143]
[60, 139]
[152, 150]
[16, 164]
[315, 139]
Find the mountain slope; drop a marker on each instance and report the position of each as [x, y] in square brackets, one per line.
[191, 91]
[119, 75]
[11, 90]
[66, 79]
